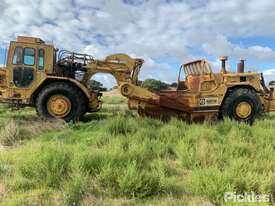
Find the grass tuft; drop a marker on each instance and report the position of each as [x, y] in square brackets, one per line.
[133, 182]
[10, 133]
[120, 125]
[46, 165]
[75, 189]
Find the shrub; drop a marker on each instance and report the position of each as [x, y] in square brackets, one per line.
[98, 86]
[154, 85]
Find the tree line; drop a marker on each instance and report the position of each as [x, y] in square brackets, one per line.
[150, 84]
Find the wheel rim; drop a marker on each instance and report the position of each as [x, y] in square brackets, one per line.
[243, 110]
[59, 106]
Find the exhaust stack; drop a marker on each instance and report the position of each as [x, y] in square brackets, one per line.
[223, 59]
[241, 66]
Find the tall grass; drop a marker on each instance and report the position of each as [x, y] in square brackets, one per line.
[46, 165]
[75, 189]
[10, 133]
[125, 160]
[114, 100]
[13, 132]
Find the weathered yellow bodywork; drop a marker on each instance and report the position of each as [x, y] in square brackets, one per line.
[121, 66]
[199, 96]
[9, 92]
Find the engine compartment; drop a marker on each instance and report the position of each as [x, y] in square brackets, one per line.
[71, 64]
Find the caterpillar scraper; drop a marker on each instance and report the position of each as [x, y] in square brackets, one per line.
[57, 84]
[206, 96]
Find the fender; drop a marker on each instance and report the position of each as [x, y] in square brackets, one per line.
[51, 79]
[77, 83]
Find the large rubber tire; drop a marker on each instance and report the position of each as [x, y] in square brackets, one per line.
[238, 96]
[78, 101]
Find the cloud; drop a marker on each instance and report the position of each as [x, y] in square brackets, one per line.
[107, 80]
[150, 69]
[157, 70]
[269, 75]
[222, 46]
[154, 29]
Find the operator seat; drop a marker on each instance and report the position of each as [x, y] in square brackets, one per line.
[194, 81]
[198, 71]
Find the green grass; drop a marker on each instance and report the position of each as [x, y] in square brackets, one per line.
[115, 157]
[114, 100]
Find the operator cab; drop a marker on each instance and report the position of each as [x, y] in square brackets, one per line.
[28, 59]
[195, 72]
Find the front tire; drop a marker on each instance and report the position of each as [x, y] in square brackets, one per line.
[242, 105]
[61, 100]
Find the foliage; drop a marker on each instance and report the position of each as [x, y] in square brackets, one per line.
[98, 86]
[154, 85]
[174, 84]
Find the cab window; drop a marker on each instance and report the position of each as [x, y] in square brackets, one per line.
[41, 57]
[29, 56]
[23, 76]
[18, 54]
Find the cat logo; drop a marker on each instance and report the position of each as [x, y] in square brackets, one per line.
[209, 101]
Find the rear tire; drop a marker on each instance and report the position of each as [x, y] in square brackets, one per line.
[61, 100]
[242, 105]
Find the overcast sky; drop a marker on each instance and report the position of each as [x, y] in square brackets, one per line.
[166, 33]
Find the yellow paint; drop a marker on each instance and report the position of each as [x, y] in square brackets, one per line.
[59, 106]
[243, 110]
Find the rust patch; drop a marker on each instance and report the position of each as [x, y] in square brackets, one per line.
[165, 113]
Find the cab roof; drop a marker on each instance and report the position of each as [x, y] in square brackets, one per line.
[33, 40]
